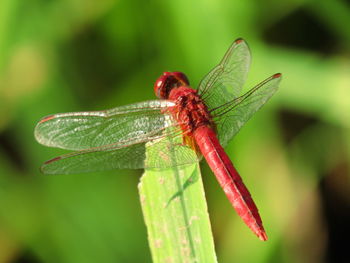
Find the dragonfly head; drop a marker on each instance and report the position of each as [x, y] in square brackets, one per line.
[167, 81]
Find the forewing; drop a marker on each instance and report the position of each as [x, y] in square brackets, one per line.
[82, 130]
[224, 82]
[232, 116]
[160, 153]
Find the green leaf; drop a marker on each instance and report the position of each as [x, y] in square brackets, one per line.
[176, 215]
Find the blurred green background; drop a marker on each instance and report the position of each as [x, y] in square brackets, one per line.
[74, 55]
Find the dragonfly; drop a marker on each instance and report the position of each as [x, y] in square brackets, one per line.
[192, 123]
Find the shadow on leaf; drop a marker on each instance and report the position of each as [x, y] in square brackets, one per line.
[191, 180]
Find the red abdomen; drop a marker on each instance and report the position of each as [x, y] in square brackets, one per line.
[196, 122]
[229, 179]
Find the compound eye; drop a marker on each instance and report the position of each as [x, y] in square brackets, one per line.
[169, 80]
[181, 77]
[160, 86]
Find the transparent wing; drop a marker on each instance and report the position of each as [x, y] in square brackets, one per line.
[166, 151]
[224, 82]
[115, 139]
[233, 115]
[82, 130]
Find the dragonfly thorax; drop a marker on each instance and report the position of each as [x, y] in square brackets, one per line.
[189, 110]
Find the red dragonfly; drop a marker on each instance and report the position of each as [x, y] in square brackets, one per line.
[204, 120]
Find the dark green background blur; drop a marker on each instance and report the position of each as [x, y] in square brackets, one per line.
[75, 55]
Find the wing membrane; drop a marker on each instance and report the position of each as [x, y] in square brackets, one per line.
[82, 130]
[162, 153]
[130, 137]
[224, 82]
[232, 116]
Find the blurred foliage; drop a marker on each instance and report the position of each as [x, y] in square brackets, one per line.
[70, 55]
